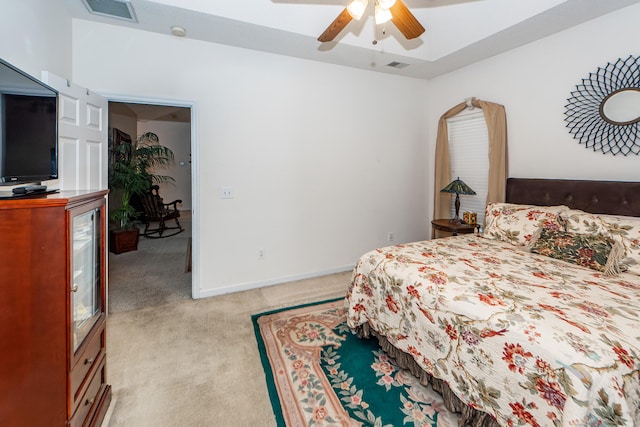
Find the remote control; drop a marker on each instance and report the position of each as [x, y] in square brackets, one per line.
[29, 189]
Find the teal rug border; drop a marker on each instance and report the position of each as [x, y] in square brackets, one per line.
[266, 366]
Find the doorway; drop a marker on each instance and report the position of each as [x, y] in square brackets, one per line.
[159, 271]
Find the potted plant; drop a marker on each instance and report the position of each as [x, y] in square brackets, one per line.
[132, 172]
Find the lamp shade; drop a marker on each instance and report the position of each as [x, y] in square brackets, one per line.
[457, 186]
[356, 8]
[386, 4]
[382, 15]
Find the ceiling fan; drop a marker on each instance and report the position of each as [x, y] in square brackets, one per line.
[385, 10]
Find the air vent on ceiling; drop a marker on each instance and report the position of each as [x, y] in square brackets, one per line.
[396, 64]
[120, 9]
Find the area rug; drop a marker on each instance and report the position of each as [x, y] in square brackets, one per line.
[320, 374]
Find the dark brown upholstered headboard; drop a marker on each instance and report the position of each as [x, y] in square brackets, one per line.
[606, 197]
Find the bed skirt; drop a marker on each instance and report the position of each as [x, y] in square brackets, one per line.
[469, 417]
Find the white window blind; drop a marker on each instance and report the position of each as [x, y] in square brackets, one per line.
[469, 153]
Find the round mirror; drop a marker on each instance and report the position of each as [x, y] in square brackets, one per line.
[621, 107]
[603, 112]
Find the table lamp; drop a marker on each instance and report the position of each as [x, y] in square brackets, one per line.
[458, 187]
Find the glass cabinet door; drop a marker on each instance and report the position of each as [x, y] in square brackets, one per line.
[86, 298]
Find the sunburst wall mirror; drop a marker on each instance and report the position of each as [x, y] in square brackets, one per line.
[603, 112]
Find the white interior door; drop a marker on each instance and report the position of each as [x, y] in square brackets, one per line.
[82, 136]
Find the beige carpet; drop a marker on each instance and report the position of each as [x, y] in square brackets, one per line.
[154, 274]
[195, 362]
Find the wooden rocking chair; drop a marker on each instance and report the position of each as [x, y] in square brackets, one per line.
[155, 210]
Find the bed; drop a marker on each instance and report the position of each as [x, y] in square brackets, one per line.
[512, 337]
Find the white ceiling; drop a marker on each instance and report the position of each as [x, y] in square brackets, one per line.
[458, 32]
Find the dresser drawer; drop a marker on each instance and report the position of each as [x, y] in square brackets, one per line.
[89, 400]
[90, 356]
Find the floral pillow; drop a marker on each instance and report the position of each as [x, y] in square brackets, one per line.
[580, 222]
[628, 231]
[595, 251]
[624, 229]
[518, 224]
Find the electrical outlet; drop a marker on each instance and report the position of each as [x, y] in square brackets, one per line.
[226, 193]
[260, 253]
[390, 236]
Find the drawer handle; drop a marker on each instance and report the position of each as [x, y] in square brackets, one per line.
[88, 361]
[90, 401]
[74, 288]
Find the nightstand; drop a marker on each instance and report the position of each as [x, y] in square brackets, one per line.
[449, 227]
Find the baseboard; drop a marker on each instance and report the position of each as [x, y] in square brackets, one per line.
[204, 293]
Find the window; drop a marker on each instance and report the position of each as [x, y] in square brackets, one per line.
[469, 154]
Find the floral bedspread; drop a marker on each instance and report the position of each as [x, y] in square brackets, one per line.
[529, 339]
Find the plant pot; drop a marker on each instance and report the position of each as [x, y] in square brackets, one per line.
[123, 240]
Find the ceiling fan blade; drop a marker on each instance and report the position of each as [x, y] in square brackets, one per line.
[405, 21]
[335, 27]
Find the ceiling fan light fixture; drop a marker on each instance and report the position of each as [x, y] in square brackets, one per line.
[386, 4]
[382, 15]
[398, 12]
[356, 8]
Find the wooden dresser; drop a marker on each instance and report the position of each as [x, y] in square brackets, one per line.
[52, 310]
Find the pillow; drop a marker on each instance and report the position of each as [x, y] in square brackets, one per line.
[580, 222]
[595, 251]
[624, 229]
[518, 224]
[627, 230]
[606, 217]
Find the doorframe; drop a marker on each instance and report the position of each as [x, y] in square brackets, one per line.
[195, 167]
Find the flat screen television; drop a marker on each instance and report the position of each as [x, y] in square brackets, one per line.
[28, 128]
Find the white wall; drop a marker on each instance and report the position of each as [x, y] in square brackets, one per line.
[176, 136]
[324, 161]
[533, 83]
[36, 36]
